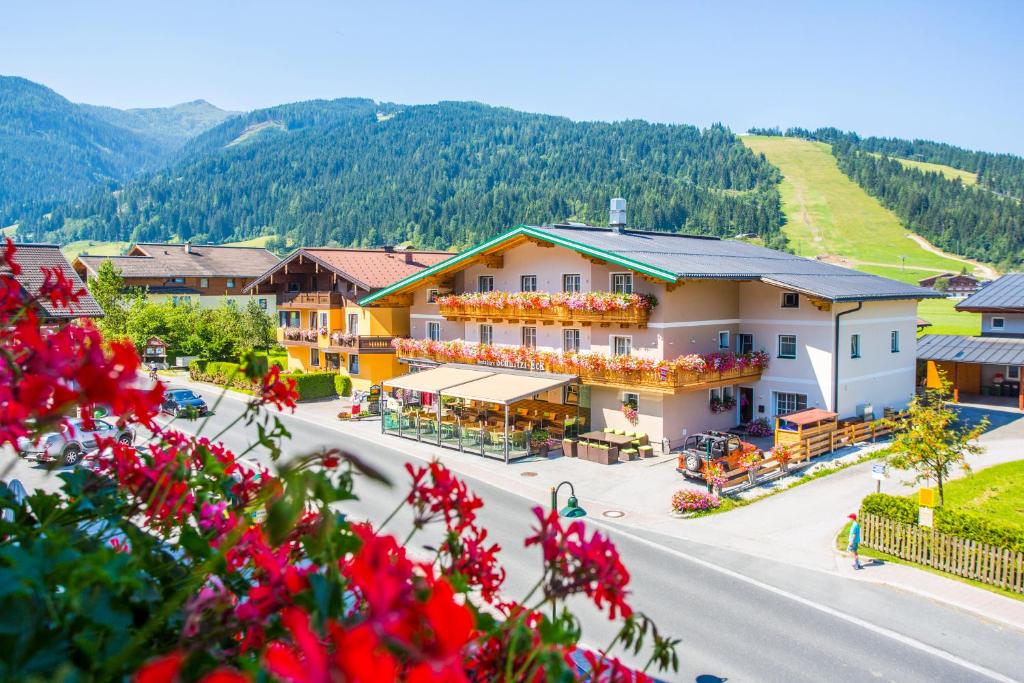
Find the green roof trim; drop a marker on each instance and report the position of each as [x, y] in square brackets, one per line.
[533, 232]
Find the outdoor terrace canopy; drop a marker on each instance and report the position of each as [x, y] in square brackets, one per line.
[506, 387]
[436, 380]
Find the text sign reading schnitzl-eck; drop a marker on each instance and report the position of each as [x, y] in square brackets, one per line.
[513, 365]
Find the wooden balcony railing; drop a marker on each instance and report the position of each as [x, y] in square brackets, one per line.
[511, 313]
[361, 343]
[309, 299]
[296, 336]
[669, 381]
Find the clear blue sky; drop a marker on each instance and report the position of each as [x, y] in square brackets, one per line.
[951, 71]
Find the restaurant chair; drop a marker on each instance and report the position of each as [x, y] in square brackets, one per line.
[646, 451]
[627, 454]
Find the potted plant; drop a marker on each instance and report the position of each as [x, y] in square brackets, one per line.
[783, 455]
[751, 462]
[714, 475]
[760, 428]
[539, 441]
[629, 411]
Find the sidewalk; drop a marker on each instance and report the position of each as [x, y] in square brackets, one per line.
[797, 527]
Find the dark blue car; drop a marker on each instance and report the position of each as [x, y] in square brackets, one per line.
[184, 403]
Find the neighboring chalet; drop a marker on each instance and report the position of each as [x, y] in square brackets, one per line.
[33, 258]
[954, 284]
[616, 324]
[204, 274]
[988, 365]
[320, 322]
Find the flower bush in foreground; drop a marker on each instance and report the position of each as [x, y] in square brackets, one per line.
[690, 500]
[176, 560]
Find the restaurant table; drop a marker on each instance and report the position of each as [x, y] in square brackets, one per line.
[619, 440]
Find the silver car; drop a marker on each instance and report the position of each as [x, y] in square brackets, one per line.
[71, 442]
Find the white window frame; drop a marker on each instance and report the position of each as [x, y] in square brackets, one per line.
[796, 347]
[432, 295]
[565, 338]
[796, 299]
[204, 283]
[528, 331]
[631, 396]
[613, 344]
[433, 330]
[231, 283]
[353, 327]
[489, 336]
[353, 363]
[325, 318]
[1013, 372]
[481, 279]
[579, 282]
[894, 341]
[523, 283]
[776, 402]
[612, 286]
[714, 393]
[727, 337]
[1001, 325]
[739, 342]
[311, 319]
[314, 358]
[855, 351]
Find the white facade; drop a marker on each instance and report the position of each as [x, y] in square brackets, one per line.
[268, 302]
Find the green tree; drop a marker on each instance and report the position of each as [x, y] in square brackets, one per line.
[932, 440]
[115, 298]
[256, 332]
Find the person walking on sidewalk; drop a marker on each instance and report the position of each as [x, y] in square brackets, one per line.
[854, 540]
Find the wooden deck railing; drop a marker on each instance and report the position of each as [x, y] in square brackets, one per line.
[361, 343]
[970, 559]
[628, 316]
[303, 299]
[819, 442]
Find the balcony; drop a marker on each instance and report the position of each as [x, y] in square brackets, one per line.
[667, 377]
[579, 308]
[310, 299]
[360, 343]
[297, 336]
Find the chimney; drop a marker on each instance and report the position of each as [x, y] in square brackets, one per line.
[617, 214]
[188, 246]
[408, 257]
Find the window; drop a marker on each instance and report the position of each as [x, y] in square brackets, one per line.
[790, 300]
[293, 286]
[434, 331]
[744, 343]
[631, 399]
[485, 283]
[622, 346]
[231, 283]
[723, 339]
[312, 319]
[571, 282]
[204, 282]
[894, 341]
[571, 341]
[314, 358]
[528, 283]
[263, 304]
[180, 300]
[486, 334]
[323, 318]
[431, 296]
[353, 323]
[622, 283]
[353, 363]
[998, 323]
[854, 346]
[530, 337]
[1013, 372]
[787, 346]
[786, 403]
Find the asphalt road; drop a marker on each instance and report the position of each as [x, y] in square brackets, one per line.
[740, 618]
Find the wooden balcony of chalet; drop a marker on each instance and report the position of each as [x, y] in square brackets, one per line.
[560, 313]
[358, 343]
[310, 300]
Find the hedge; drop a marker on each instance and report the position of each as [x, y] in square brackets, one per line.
[314, 384]
[343, 384]
[952, 522]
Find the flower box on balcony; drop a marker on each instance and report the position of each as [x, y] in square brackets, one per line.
[577, 307]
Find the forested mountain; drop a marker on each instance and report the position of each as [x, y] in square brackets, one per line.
[170, 127]
[354, 172]
[984, 222]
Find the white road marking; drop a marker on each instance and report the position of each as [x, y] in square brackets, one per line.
[857, 621]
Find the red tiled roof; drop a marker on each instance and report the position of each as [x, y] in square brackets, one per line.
[33, 258]
[370, 269]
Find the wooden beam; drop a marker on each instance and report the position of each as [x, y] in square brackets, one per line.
[671, 287]
[496, 261]
[820, 304]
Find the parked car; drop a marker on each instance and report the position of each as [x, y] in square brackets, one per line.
[184, 402]
[714, 447]
[72, 441]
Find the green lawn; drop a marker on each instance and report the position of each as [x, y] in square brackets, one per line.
[254, 242]
[945, 320]
[967, 177]
[827, 213]
[93, 248]
[996, 493]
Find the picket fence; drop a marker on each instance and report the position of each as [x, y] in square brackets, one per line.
[960, 556]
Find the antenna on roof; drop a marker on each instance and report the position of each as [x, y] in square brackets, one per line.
[617, 214]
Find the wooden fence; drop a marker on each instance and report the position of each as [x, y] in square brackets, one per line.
[970, 559]
[842, 436]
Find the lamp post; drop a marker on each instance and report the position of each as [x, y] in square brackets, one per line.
[572, 507]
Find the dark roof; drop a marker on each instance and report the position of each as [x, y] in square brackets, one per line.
[1006, 294]
[370, 269]
[33, 258]
[963, 349]
[673, 256]
[200, 260]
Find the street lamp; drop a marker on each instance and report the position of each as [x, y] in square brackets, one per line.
[572, 507]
